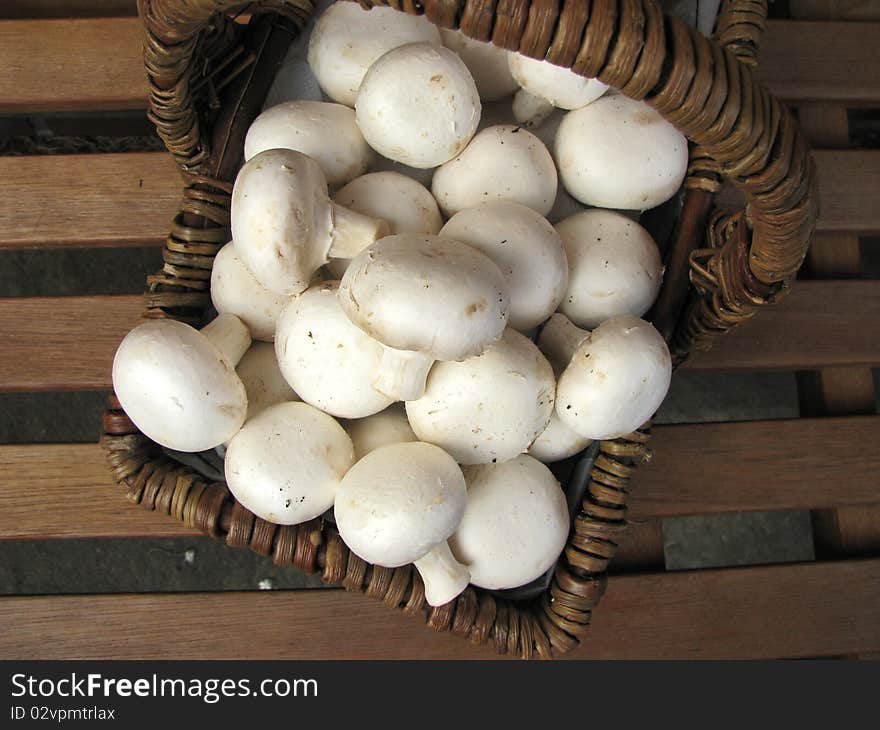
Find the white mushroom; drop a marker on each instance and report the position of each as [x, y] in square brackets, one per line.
[284, 225]
[614, 267]
[398, 505]
[328, 133]
[406, 204]
[488, 408]
[235, 290]
[418, 105]
[614, 378]
[503, 162]
[328, 361]
[620, 153]
[515, 524]
[557, 442]
[486, 62]
[426, 298]
[386, 427]
[178, 384]
[546, 86]
[526, 248]
[262, 379]
[347, 40]
[285, 465]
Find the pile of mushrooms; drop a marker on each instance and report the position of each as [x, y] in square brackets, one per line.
[405, 333]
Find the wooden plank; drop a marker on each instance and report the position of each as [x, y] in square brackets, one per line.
[87, 200]
[81, 64]
[827, 61]
[67, 8]
[834, 9]
[813, 609]
[849, 186]
[789, 464]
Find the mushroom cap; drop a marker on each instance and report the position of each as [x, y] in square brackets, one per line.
[526, 248]
[347, 40]
[398, 502]
[386, 427]
[515, 524]
[429, 294]
[282, 222]
[504, 162]
[407, 205]
[486, 62]
[177, 387]
[620, 153]
[262, 379]
[557, 442]
[285, 465]
[487, 408]
[328, 361]
[326, 132]
[562, 87]
[418, 105]
[616, 380]
[614, 267]
[235, 290]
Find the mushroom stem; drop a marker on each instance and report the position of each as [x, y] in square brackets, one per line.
[444, 577]
[559, 340]
[353, 232]
[402, 373]
[229, 335]
[530, 110]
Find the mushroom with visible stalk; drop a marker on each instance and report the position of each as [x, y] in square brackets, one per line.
[418, 105]
[526, 248]
[488, 408]
[620, 153]
[614, 267]
[285, 226]
[486, 62]
[328, 361]
[386, 427]
[425, 298]
[328, 133]
[546, 87]
[503, 162]
[262, 379]
[235, 290]
[405, 204]
[178, 384]
[398, 505]
[613, 378]
[347, 40]
[515, 523]
[285, 464]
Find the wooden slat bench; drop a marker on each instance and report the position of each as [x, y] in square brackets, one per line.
[827, 331]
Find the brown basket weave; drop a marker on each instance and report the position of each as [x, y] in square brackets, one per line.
[209, 74]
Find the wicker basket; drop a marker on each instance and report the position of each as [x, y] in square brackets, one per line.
[209, 74]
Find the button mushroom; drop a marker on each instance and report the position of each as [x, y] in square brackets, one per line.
[503, 162]
[418, 105]
[526, 248]
[614, 378]
[546, 86]
[235, 290]
[426, 298]
[486, 62]
[386, 427]
[614, 267]
[347, 40]
[284, 225]
[328, 133]
[262, 379]
[178, 384]
[285, 465]
[620, 153]
[488, 408]
[557, 442]
[515, 524]
[398, 505]
[328, 361]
